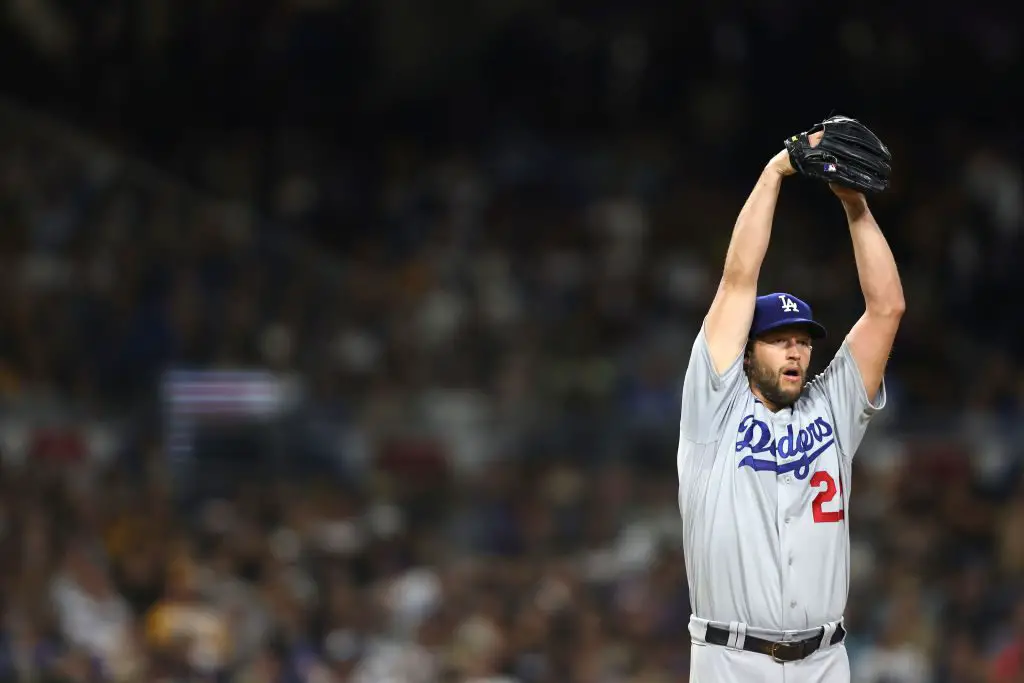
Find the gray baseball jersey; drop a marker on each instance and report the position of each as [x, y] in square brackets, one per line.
[764, 495]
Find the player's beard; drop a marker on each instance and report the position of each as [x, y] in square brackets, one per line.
[769, 383]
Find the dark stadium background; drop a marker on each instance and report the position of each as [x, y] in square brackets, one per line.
[340, 340]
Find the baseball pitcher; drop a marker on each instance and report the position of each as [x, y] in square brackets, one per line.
[764, 454]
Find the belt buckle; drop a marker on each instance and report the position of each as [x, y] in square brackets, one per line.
[776, 646]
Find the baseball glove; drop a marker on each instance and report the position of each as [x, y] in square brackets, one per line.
[848, 154]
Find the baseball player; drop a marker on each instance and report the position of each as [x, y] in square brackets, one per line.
[764, 457]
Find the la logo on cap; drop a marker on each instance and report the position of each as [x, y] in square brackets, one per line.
[788, 305]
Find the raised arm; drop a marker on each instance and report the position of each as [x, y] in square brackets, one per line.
[872, 337]
[728, 321]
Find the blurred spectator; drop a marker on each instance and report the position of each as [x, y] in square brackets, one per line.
[92, 616]
[1008, 666]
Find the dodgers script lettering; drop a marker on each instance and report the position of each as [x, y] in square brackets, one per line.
[755, 438]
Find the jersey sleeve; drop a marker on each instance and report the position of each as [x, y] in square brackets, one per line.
[707, 394]
[842, 387]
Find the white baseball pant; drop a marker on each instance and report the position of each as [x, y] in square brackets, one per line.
[723, 664]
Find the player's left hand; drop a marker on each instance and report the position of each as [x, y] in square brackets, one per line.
[781, 161]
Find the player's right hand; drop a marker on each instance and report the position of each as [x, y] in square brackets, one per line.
[781, 164]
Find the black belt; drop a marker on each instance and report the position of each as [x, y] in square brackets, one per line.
[789, 651]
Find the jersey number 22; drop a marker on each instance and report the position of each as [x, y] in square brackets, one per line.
[825, 495]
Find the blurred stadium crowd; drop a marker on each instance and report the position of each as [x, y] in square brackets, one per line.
[472, 270]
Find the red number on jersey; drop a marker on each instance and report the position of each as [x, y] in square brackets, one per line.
[821, 516]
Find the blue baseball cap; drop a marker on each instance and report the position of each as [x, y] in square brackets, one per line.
[779, 309]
